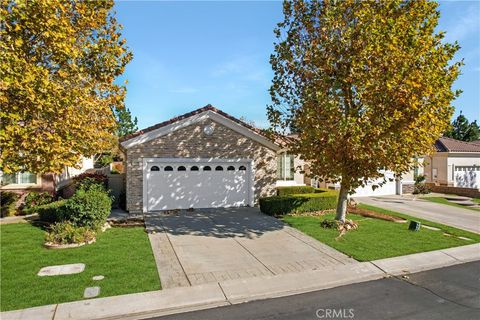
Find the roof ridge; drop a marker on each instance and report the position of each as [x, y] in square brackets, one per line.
[205, 108]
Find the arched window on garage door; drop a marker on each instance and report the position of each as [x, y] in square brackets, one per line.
[231, 168]
[182, 168]
[207, 168]
[168, 168]
[194, 168]
[243, 168]
[218, 168]
[155, 168]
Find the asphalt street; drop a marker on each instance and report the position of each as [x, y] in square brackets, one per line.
[446, 293]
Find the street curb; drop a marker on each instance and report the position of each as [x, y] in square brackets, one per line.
[184, 299]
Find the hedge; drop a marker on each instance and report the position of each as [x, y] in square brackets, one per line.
[51, 212]
[297, 203]
[283, 191]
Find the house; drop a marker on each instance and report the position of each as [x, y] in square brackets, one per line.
[22, 182]
[454, 163]
[205, 158]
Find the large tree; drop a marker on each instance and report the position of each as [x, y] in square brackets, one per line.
[462, 129]
[59, 60]
[367, 83]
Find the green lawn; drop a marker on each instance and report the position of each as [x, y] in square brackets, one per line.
[377, 239]
[122, 255]
[477, 200]
[442, 200]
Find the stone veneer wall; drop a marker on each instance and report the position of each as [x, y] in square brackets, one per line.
[191, 142]
[466, 192]
[407, 188]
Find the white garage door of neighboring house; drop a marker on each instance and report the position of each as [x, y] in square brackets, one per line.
[389, 188]
[197, 183]
[467, 177]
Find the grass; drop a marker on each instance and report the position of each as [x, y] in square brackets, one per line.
[122, 255]
[476, 200]
[442, 200]
[378, 239]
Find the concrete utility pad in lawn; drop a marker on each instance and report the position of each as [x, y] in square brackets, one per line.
[210, 245]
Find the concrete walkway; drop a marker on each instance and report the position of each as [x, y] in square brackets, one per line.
[212, 245]
[449, 215]
[184, 299]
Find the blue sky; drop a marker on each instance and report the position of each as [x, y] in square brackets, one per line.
[189, 54]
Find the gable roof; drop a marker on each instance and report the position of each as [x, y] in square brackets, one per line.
[189, 118]
[445, 144]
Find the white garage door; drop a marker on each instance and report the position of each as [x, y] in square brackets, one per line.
[188, 183]
[389, 188]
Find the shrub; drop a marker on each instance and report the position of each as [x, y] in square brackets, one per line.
[88, 207]
[283, 191]
[51, 212]
[34, 199]
[86, 179]
[8, 203]
[297, 203]
[105, 160]
[420, 187]
[68, 233]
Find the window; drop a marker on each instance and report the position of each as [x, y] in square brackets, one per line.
[207, 168]
[168, 168]
[218, 168]
[285, 166]
[182, 168]
[242, 168]
[154, 168]
[19, 178]
[194, 168]
[231, 168]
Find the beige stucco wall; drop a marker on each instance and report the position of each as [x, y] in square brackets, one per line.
[191, 142]
[445, 163]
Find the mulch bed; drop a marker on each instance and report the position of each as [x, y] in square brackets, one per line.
[376, 215]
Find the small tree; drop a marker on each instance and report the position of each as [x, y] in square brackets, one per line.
[367, 84]
[59, 61]
[464, 130]
[125, 123]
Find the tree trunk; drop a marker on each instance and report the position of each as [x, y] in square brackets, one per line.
[342, 204]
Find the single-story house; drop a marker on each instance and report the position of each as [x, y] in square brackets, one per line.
[22, 182]
[454, 163]
[205, 158]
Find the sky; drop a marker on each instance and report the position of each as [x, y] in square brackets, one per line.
[190, 54]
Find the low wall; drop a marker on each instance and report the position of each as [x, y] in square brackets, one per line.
[466, 192]
[407, 188]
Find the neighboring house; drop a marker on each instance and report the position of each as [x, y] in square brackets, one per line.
[454, 163]
[48, 182]
[205, 158]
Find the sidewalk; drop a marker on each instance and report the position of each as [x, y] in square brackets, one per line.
[184, 299]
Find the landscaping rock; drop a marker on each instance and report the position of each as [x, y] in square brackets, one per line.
[98, 278]
[91, 292]
[61, 270]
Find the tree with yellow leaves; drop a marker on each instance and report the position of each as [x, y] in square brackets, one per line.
[366, 84]
[58, 63]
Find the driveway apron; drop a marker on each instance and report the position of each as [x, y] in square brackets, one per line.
[211, 245]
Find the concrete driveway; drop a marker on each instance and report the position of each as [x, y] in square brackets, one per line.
[211, 245]
[449, 215]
